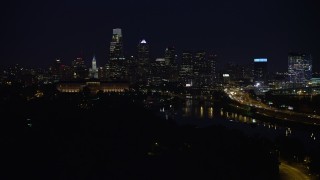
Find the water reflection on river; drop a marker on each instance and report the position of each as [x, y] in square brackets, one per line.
[192, 108]
[202, 114]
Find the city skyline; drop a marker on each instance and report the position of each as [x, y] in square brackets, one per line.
[37, 33]
[162, 89]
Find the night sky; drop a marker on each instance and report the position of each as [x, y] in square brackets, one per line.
[34, 32]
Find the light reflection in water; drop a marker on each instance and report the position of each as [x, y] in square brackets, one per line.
[187, 111]
[244, 119]
[240, 118]
[210, 113]
[201, 112]
[204, 110]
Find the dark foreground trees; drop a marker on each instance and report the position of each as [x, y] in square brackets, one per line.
[72, 137]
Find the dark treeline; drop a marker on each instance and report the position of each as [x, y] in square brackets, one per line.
[113, 137]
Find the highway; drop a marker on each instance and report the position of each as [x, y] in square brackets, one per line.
[243, 98]
[288, 172]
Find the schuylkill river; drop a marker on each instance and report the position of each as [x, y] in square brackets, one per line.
[203, 114]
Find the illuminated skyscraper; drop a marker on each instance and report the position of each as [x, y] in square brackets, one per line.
[143, 60]
[132, 67]
[116, 45]
[260, 68]
[170, 56]
[299, 68]
[159, 71]
[211, 68]
[199, 68]
[186, 69]
[56, 70]
[143, 53]
[93, 70]
[80, 70]
[115, 68]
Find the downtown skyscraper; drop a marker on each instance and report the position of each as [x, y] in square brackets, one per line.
[260, 70]
[171, 57]
[116, 66]
[116, 45]
[186, 69]
[299, 68]
[143, 61]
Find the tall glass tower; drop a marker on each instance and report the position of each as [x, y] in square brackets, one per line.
[116, 69]
[143, 60]
[260, 68]
[186, 69]
[299, 68]
[116, 46]
[143, 53]
[170, 56]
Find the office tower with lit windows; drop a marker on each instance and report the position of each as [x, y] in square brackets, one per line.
[159, 72]
[143, 59]
[204, 69]
[200, 68]
[132, 67]
[186, 69]
[170, 57]
[102, 73]
[116, 45]
[79, 68]
[143, 53]
[299, 68]
[116, 66]
[260, 69]
[60, 71]
[212, 68]
[56, 70]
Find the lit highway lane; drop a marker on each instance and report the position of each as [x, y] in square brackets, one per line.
[291, 173]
